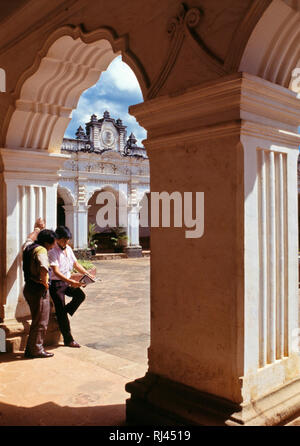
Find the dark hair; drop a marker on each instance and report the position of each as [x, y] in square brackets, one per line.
[46, 236]
[63, 232]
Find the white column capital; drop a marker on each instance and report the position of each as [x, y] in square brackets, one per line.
[31, 165]
[218, 109]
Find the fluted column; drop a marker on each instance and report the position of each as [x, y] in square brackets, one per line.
[30, 180]
[134, 248]
[77, 222]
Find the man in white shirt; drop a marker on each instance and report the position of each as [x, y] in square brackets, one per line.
[62, 260]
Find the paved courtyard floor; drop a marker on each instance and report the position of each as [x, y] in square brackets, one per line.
[86, 386]
[115, 317]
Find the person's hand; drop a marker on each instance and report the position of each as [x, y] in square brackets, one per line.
[75, 284]
[45, 284]
[40, 224]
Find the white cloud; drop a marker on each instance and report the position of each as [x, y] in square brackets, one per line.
[109, 93]
[122, 76]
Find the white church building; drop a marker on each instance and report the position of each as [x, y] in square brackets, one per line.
[103, 159]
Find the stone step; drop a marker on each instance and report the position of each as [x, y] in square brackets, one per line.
[110, 256]
[116, 255]
[112, 363]
[16, 334]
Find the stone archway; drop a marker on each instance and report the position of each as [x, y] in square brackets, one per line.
[70, 62]
[94, 206]
[276, 35]
[104, 232]
[65, 206]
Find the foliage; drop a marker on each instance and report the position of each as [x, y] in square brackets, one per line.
[120, 236]
[91, 234]
[86, 265]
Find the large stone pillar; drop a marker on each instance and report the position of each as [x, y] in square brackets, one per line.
[224, 307]
[29, 190]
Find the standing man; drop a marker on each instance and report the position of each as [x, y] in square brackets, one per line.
[62, 260]
[35, 267]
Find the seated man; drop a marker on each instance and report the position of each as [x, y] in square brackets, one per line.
[35, 267]
[62, 260]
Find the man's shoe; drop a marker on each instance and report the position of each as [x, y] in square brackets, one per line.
[43, 354]
[73, 344]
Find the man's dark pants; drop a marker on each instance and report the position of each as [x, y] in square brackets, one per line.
[38, 300]
[58, 290]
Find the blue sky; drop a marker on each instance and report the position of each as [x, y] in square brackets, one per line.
[116, 89]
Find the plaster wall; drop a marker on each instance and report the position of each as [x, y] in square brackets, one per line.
[199, 347]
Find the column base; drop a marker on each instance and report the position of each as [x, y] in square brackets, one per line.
[159, 401]
[17, 333]
[133, 251]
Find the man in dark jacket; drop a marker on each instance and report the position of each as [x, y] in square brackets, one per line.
[36, 267]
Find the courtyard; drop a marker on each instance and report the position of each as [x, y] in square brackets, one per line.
[86, 386]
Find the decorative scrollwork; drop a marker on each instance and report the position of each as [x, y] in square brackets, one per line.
[189, 19]
[172, 27]
[192, 18]
[180, 27]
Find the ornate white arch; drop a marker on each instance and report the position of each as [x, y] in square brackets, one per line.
[70, 62]
[47, 98]
[66, 195]
[107, 188]
[273, 50]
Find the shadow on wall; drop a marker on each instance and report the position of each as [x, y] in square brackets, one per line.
[51, 414]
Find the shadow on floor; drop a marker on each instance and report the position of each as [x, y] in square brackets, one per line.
[51, 414]
[10, 357]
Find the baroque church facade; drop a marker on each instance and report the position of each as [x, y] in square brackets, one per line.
[103, 159]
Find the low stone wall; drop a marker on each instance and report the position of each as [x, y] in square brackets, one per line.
[84, 254]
